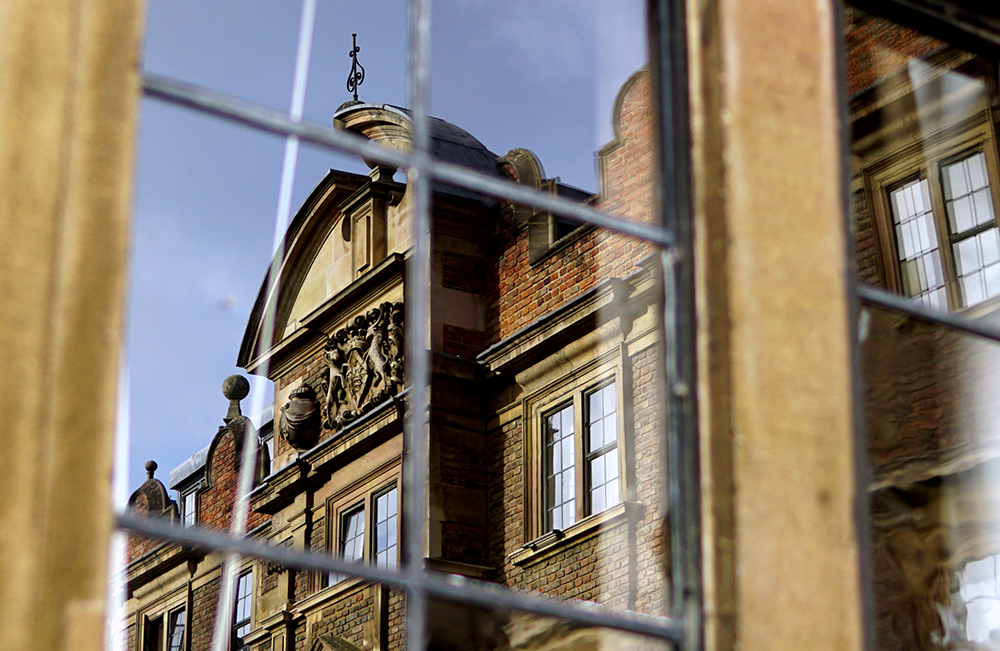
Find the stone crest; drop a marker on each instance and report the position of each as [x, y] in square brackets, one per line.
[364, 364]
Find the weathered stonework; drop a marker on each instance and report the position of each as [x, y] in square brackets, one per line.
[364, 365]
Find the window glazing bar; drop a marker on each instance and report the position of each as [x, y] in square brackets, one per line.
[902, 305]
[487, 595]
[668, 40]
[276, 122]
[416, 430]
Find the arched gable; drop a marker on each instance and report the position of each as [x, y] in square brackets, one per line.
[222, 466]
[626, 163]
[152, 497]
[310, 231]
[365, 216]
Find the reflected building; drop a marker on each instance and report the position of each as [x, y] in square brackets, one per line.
[548, 409]
[547, 460]
[924, 189]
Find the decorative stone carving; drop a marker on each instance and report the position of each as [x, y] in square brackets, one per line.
[300, 418]
[364, 364]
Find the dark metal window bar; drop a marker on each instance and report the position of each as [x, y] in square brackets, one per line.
[674, 238]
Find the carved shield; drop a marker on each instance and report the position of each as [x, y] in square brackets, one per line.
[358, 377]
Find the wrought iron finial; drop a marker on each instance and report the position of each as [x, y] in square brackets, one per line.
[357, 76]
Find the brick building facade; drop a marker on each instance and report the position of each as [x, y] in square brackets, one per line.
[547, 460]
[544, 336]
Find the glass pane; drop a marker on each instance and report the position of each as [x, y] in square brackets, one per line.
[977, 171]
[596, 405]
[990, 243]
[961, 215]
[959, 183]
[967, 257]
[577, 64]
[991, 277]
[983, 202]
[175, 630]
[532, 296]
[611, 459]
[932, 404]
[597, 471]
[596, 435]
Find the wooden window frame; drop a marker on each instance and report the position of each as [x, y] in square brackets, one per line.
[248, 621]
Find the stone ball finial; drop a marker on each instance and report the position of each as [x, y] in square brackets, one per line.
[235, 387]
[151, 467]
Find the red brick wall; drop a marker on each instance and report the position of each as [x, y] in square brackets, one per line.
[877, 48]
[397, 613]
[506, 500]
[215, 503]
[463, 342]
[463, 272]
[205, 602]
[347, 616]
[520, 293]
[867, 259]
[910, 374]
[138, 546]
[650, 465]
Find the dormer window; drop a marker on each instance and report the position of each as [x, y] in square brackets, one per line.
[189, 507]
[548, 232]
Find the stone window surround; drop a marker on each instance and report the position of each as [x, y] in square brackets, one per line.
[925, 159]
[162, 610]
[572, 388]
[362, 492]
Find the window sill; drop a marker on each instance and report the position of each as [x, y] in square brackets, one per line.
[561, 244]
[330, 593]
[554, 542]
[988, 310]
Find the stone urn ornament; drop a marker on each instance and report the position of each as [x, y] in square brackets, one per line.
[300, 419]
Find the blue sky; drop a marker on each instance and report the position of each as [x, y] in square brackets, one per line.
[539, 74]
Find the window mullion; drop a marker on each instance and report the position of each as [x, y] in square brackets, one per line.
[580, 469]
[940, 214]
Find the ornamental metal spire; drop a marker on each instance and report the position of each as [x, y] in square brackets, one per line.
[357, 76]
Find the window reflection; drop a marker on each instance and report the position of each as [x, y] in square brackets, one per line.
[925, 174]
[979, 592]
[925, 164]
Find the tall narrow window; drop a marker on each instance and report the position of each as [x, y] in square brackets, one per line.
[602, 449]
[241, 616]
[386, 528]
[190, 507]
[975, 240]
[352, 540]
[175, 630]
[153, 636]
[560, 473]
[917, 244]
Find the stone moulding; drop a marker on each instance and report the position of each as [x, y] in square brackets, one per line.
[364, 365]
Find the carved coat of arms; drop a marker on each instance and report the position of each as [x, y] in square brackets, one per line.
[364, 364]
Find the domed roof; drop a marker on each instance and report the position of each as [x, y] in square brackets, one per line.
[392, 126]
